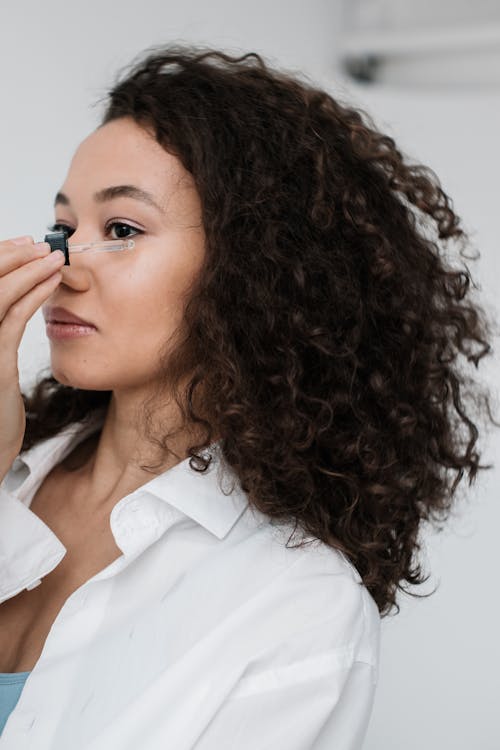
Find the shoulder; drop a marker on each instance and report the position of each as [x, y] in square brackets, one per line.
[335, 587]
[312, 588]
[301, 608]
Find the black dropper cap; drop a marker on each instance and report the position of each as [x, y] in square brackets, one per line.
[58, 241]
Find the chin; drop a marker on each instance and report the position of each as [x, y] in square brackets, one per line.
[76, 381]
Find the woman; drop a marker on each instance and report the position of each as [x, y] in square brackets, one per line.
[282, 321]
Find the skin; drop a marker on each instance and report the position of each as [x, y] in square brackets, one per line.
[134, 297]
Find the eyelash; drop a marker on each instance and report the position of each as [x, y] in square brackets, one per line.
[58, 226]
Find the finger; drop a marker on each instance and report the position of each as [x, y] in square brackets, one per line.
[13, 325]
[18, 282]
[14, 256]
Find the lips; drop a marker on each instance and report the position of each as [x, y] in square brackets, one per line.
[61, 315]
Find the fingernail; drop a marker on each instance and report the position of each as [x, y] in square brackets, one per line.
[21, 240]
[56, 255]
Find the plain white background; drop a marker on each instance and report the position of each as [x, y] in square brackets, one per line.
[440, 660]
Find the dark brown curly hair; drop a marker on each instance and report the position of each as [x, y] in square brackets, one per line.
[322, 336]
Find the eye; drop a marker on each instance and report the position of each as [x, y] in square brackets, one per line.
[126, 227]
[59, 227]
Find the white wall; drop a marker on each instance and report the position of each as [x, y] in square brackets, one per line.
[439, 680]
[440, 661]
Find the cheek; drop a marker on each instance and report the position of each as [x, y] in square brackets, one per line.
[139, 311]
[147, 303]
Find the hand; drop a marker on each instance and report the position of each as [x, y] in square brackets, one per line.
[29, 274]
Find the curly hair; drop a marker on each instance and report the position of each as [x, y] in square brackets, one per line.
[322, 335]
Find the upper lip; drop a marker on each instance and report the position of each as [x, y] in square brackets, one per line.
[61, 315]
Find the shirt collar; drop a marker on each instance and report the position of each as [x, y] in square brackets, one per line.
[213, 498]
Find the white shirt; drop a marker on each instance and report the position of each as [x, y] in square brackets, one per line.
[208, 633]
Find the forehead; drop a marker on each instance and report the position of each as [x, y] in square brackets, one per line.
[122, 152]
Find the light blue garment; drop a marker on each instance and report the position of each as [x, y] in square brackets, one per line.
[11, 686]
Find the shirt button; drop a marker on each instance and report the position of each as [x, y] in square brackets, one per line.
[133, 506]
[33, 584]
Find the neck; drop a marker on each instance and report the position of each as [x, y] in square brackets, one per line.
[105, 466]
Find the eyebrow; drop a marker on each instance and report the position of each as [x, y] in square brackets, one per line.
[114, 191]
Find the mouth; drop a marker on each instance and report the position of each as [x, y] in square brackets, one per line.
[80, 324]
[57, 330]
[61, 316]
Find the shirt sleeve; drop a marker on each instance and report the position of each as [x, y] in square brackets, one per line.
[320, 703]
[29, 549]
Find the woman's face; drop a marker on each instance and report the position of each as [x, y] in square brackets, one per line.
[133, 297]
